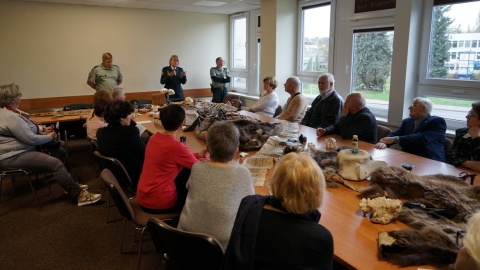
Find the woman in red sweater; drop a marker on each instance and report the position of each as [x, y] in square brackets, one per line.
[167, 166]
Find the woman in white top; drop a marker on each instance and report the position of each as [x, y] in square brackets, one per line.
[268, 102]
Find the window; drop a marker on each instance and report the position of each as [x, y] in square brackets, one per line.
[372, 64]
[451, 22]
[454, 56]
[238, 51]
[314, 44]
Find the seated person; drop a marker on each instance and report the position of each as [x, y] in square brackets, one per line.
[282, 231]
[121, 139]
[118, 94]
[469, 255]
[167, 166]
[268, 102]
[216, 187]
[327, 107]
[296, 106]
[101, 99]
[421, 134]
[356, 120]
[465, 150]
[19, 137]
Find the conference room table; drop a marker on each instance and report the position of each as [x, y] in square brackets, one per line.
[355, 236]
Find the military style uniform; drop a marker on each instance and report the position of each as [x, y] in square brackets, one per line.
[105, 79]
[219, 77]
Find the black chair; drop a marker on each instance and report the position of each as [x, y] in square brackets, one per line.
[130, 210]
[278, 111]
[448, 145]
[74, 128]
[382, 131]
[233, 99]
[19, 172]
[140, 103]
[186, 250]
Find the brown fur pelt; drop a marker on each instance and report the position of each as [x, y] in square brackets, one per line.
[432, 239]
[328, 162]
[253, 133]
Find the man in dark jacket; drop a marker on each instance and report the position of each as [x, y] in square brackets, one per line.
[327, 107]
[356, 120]
[421, 134]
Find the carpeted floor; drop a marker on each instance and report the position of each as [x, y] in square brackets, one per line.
[62, 235]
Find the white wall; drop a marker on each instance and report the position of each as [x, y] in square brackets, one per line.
[49, 49]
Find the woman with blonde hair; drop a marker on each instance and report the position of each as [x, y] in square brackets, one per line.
[469, 255]
[282, 231]
[268, 102]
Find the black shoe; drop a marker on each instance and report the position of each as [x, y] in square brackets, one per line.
[193, 125]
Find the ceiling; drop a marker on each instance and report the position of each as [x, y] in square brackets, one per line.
[219, 6]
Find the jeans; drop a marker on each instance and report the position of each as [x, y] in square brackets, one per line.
[218, 94]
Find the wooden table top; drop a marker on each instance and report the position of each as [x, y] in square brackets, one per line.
[355, 236]
[65, 118]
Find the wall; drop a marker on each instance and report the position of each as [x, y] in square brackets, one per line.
[49, 49]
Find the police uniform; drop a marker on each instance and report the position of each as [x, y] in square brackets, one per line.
[219, 78]
[105, 79]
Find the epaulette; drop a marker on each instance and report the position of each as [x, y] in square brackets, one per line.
[95, 67]
[114, 66]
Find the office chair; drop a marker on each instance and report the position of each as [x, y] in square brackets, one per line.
[186, 250]
[17, 172]
[278, 111]
[382, 131]
[233, 99]
[130, 210]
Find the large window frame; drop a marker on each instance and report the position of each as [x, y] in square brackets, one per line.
[239, 75]
[310, 77]
[439, 87]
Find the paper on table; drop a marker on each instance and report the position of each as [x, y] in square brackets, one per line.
[141, 128]
[144, 122]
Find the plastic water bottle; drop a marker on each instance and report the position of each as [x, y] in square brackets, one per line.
[355, 144]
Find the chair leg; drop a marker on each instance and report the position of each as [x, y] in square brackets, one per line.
[140, 247]
[34, 192]
[123, 235]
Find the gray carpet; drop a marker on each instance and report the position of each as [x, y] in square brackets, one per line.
[62, 235]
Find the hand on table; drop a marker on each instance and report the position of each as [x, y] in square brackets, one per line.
[380, 145]
[320, 132]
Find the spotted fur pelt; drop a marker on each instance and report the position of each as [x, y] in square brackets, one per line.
[432, 239]
[328, 162]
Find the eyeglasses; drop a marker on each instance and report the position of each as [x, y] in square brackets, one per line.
[471, 115]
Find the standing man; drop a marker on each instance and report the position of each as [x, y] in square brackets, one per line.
[327, 107]
[105, 76]
[356, 120]
[421, 134]
[296, 106]
[220, 76]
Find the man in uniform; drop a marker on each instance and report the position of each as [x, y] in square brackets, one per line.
[105, 76]
[220, 76]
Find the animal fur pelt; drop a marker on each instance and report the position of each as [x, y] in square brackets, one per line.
[432, 239]
[253, 133]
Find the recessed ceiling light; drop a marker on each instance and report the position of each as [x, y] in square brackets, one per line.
[210, 3]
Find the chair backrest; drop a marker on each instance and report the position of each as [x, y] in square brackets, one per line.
[233, 99]
[448, 145]
[278, 111]
[187, 250]
[382, 131]
[116, 167]
[140, 102]
[117, 194]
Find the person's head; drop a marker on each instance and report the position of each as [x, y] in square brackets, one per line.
[325, 82]
[172, 117]
[119, 112]
[354, 103]
[101, 99]
[174, 61]
[118, 94]
[420, 107]
[298, 182]
[10, 95]
[292, 85]
[220, 62]
[107, 60]
[473, 116]
[270, 83]
[222, 141]
[469, 255]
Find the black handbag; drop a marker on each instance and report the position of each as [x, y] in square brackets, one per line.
[53, 144]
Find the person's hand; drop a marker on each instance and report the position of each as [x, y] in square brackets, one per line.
[320, 132]
[203, 154]
[387, 140]
[380, 145]
[52, 134]
[251, 110]
[184, 73]
[474, 132]
[171, 73]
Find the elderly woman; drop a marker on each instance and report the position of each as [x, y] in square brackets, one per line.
[465, 150]
[268, 102]
[282, 231]
[101, 99]
[216, 187]
[173, 77]
[19, 137]
[121, 139]
[469, 255]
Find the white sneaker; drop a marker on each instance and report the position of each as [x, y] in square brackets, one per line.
[83, 186]
[88, 198]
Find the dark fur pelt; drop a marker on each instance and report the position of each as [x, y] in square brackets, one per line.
[432, 239]
[253, 133]
[328, 162]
